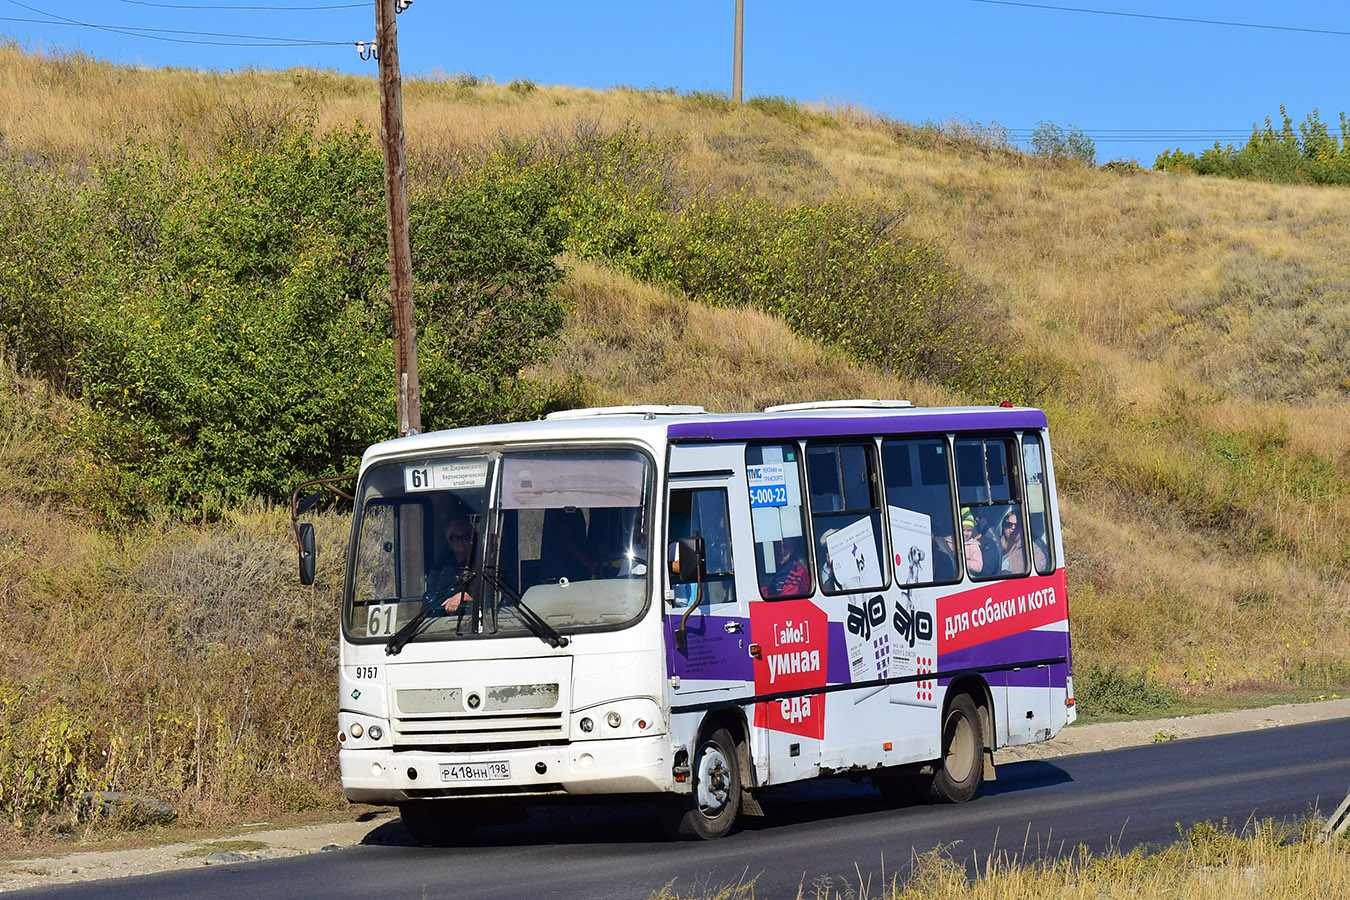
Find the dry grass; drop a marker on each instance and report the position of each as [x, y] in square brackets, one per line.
[1209, 863]
[1263, 860]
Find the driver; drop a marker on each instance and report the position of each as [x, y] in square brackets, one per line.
[459, 539]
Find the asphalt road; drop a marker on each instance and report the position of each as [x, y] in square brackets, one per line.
[824, 833]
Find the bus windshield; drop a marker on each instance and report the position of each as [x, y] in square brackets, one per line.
[543, 542]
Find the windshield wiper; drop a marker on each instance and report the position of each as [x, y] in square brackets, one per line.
[430, 603]
[533, 621]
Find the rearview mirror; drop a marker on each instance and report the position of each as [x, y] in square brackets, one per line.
[689, 555]
[306, 553]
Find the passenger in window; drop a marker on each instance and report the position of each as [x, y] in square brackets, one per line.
[790, 579]
[944, 558]
[988, 531]
[971, 543]
[459, 539]
[1014, 547]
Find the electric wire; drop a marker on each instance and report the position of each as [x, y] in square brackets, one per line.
[164, 34]
[215, 6]
[1188, 20]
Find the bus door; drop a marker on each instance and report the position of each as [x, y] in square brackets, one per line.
[791, 632]
[707, 622]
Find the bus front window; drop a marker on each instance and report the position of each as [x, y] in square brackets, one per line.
[563, 543]
[409, 544]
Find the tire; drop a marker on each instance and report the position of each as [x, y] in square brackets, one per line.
[711, 809]
[438, 823]
[962, 765]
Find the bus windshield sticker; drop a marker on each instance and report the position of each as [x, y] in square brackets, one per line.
[445, 476]
[912, 541]
[554, 481]
[768, 485]
[853, 553]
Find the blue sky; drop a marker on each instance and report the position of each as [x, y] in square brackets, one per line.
[1136, 85]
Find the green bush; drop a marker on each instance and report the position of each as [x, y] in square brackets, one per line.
[227, 321]
[850, 278]
[485, 241]
[1109, 690]
[844, 275]
[1060, 144]
[1312, 155]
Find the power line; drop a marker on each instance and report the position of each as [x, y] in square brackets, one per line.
[1130, 15]
[160, 34]
[208, 6]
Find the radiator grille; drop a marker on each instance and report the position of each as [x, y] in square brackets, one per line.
[496, 714]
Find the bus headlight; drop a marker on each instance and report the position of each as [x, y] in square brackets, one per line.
[357, 730]
[627, 718]
[376, 732]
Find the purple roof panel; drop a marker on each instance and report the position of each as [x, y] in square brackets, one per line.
[807, 426]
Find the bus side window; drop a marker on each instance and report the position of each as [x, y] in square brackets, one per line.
[1038, 504]
[778, 520]
[846, 517]
[989, 496]
[920, 504]
[704, 511]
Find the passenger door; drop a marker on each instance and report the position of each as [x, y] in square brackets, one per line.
[714, 662]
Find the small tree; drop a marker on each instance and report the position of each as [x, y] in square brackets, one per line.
[1053, 142]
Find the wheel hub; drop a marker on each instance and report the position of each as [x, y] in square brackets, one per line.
[714, 781]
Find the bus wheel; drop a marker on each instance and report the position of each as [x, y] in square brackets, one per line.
[711, 809]
[437, 823]
[962, 767]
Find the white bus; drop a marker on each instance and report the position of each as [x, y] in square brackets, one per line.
[656, 601]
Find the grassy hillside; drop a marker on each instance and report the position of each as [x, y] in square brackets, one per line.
[1189, 339]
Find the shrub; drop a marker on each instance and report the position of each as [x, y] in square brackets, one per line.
[1114, 691]
[844, 275]
[1059, 144]
[486, 240]
[1310, 155]
[227, 321]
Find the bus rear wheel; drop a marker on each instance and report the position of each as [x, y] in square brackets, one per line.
[438, 823]
[958, 777]
[711, 810]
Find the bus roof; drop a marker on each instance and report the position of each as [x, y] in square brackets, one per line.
[655, 425]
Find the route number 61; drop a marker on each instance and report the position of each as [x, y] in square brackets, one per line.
[380, 620]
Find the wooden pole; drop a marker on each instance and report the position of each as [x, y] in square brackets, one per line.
[396, 207]
[736, 53]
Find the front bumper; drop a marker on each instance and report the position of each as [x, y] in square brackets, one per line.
[627, 766]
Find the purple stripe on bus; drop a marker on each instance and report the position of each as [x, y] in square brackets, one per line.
[1028, 645]
[825, 426]
[836, 661]
[713, 653]
[1052, 676]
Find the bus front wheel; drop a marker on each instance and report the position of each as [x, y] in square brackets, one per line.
[958, 778]
[710, 811]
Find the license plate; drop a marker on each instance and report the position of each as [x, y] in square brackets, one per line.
[484, 771]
